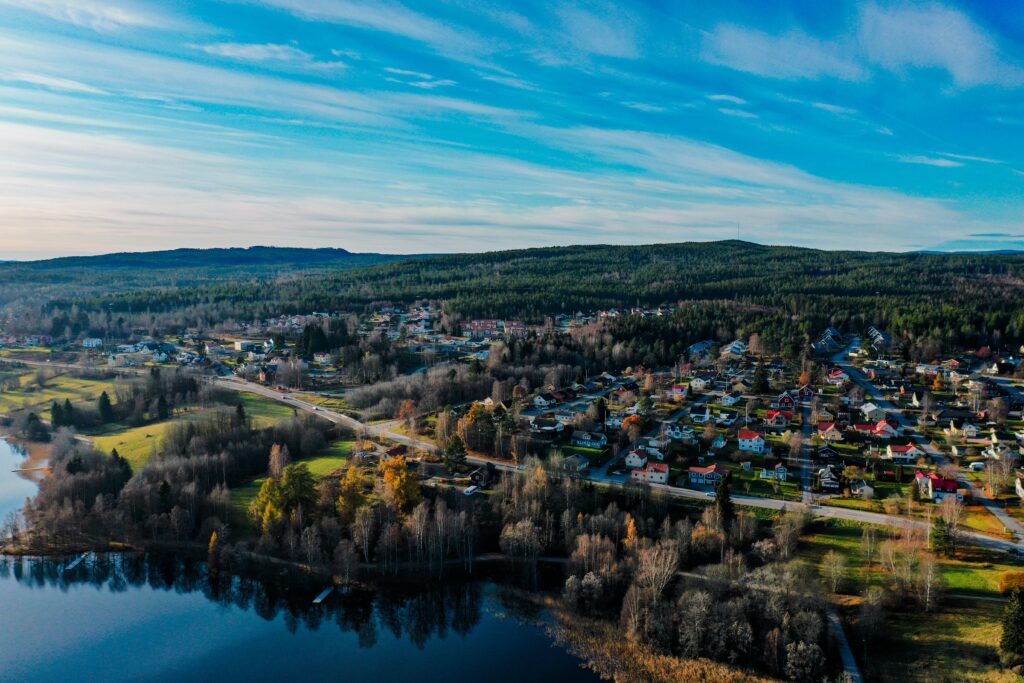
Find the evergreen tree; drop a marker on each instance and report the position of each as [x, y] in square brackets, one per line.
[1011, 644]
[941, 541]
[57, 418]
[760, 381]
[69, 413]
[455, 454]
[105, 409]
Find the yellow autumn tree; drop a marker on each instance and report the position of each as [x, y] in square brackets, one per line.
[401, 489]
[631, 534]
[350, 496]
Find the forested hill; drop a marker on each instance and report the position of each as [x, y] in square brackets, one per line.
[963, 296]
[78, 277]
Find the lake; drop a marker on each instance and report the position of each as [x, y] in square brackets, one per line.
[14, 486]
[131, 617]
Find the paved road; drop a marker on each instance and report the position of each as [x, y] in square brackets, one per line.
[386, 430]
[923, 443]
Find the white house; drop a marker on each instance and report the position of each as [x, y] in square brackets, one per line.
[678, 432]
[654, 473]
[544, 401]
[589, 440]
[751, 441]
[872, 413]
[92, 343]
[731, 399]
[778, 473]
[636, 458]
[903, 454]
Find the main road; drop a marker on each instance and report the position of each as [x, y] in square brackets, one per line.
[386, 430]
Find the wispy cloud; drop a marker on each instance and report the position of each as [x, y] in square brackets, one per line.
[269, 53]
[738, 113]
[968, 157]
[931, 36]
[609, 32]
[54, 83]
[940, 162]
[99, 15]
[791, 55]
[727, 98]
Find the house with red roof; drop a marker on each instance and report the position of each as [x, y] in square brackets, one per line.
[828, 431]
[879, 430]
[837, 377]
[707, 476]
[937, 488]
[905, 454]
[751, 441]
[778, 418]
[653, 473]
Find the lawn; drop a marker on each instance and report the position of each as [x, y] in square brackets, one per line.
[136, 444]
[57, 388]
[264, 411]
[332, 458]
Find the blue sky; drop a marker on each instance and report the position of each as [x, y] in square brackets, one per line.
[467, 125]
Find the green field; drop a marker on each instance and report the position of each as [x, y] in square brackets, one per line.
[56, 388]
[136, 444]
[264, 411]
[958, 642]
[332, 458]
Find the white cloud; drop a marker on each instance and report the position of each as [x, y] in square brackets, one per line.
[923, 160]
[932, 36]
[264, 53]
[643, 106]
[389, 17]
[835, 109]
[793, 55]
[99, 15]
[609, 32]
[54, 83]
[738, 113]
[727, 98]
[968, 157]
[895, 38]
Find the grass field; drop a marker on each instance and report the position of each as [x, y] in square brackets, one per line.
[958, 642]
[136, 444]
[264, 411]
[332, 458]
[57, 388]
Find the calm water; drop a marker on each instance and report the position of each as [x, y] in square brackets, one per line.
[137, 618]
[14, 487]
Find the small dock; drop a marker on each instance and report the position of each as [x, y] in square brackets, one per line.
[77, 561]
[323, 595]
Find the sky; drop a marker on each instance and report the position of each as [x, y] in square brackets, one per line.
[466, 125]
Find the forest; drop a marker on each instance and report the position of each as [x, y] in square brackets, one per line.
[960, 300]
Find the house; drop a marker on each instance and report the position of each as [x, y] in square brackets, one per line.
[966, 430]
[613, 422]
[735, 349]
[322, 358]
[1018, 486]
[706, 476]
[575, 463]
[785, 401]
[752, 441]
[727, 418]
[806, 392]
[701, 418]
[936, 488]
[653, 473]
[837, 377]
[824, 415]
[92, 343]
[719, 443]
[678, 432]
[679, 392]
[827, 453]
[907, 454]
[882, 430]
[828, 431]
[546, 426]
[777, 473]
[544, 401]
[589, 440]
[828, 479]
[872, 413]
[636, 458]
[654, 446]
[702, 382]
[731, 399]
[778, 418]
[863, 489]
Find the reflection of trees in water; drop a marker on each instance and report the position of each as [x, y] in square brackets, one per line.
[418, 614]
